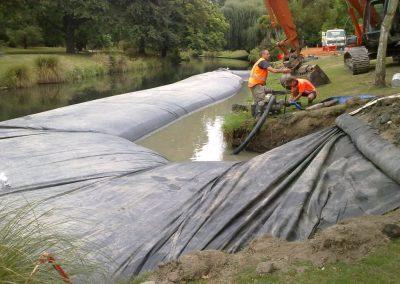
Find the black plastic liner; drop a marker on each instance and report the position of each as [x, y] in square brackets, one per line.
[142, 210]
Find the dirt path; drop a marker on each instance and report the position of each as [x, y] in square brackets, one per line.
[317, 51]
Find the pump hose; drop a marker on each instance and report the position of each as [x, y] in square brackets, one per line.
[257, 127]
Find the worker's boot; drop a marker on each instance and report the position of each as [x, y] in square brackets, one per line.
[258, 110]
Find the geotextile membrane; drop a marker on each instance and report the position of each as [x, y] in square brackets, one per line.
[142, 210]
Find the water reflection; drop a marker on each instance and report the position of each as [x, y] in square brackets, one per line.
[199, 136]
[196, 137]
[20, 102]
[214, 147]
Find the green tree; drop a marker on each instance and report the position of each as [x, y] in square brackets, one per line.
[243, 21]
[74, 13]
[173, 24]
[17, 15]
[313, 17]
[205, 26]
[25, 37]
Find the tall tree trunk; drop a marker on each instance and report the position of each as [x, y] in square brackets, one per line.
[164, 52]
[69, 34]
[380, 69]
[142, 46]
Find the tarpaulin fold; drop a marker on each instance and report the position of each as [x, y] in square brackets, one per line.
[144, 210]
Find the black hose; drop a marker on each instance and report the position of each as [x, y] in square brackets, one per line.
[257, 127]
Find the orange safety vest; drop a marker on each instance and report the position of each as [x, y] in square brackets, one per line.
[258, 76]
[305, 86]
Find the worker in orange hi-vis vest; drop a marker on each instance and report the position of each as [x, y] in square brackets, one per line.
[302, 88]
[259, 76]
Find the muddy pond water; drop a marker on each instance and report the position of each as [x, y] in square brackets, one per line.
[195, 137]
[198, 136]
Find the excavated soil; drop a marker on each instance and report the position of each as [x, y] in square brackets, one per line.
[384, 117]
[348, 241]
[284, 128]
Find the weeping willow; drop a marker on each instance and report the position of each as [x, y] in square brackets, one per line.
[243, 17]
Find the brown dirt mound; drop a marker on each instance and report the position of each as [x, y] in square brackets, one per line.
[290, 126]
[347, 241]
[384, 116]
[318, 51]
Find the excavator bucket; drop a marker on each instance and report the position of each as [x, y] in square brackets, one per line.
[313, 73]
[317, 76]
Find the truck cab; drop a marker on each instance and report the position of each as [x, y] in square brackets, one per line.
[336, 37]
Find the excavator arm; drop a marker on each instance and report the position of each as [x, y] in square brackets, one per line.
[279, 13]
[357, 59]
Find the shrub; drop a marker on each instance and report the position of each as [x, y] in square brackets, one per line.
[28, 36]
[18, 77]
[211, 54]
[102, 59]
[47, 62]
[119, 64]
[254, 55]
[101, 41]
[49, 70]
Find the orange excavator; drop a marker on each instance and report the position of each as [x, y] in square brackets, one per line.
[366, 16]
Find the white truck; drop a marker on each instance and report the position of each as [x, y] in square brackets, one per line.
[335, 37]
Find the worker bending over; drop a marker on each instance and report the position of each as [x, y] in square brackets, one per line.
[259, 76]
[302, 88]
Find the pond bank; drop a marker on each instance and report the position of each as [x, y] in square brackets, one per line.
[24, 101]
[281, 129]
[27, 70]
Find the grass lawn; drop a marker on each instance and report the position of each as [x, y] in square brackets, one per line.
[236, 54]
[382, 266]
[33, 50]
[343, 82]
[20, 68]
[8, 61]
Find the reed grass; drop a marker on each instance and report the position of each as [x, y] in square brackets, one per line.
[25, 236]
[49, 70]
[20, 76]
[26, 70]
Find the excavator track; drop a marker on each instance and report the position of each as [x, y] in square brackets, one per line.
[357, 60]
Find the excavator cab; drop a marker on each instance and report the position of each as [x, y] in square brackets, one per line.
[374, 14]
[358, 58]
